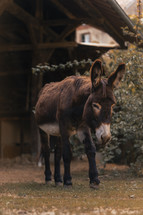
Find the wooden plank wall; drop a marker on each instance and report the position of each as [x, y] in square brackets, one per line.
[14, 80]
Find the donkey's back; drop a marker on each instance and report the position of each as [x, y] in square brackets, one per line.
[67, 96]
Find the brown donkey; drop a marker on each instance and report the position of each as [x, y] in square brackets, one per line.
[77, 105]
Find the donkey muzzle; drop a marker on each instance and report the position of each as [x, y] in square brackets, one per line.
[103, 133]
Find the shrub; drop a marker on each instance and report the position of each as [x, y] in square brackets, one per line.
[126, 145]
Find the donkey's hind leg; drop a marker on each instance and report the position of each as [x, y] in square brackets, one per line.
[46, 153]
[57, 160]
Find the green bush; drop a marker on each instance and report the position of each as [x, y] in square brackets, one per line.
[126, 145]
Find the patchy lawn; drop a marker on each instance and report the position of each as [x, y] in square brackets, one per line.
[23, 192]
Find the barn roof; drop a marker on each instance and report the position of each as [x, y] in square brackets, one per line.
[50, 24]
[106, 15]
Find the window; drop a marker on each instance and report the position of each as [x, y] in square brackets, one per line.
[85, 38]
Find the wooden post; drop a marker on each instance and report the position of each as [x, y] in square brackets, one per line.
[1, 147]
[35, 138]
[37, 79]
[21, 137]
[37, 82]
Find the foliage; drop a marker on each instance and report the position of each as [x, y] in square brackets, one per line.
[127, 126]
[78, 66]
[77, 147]
[126, 145]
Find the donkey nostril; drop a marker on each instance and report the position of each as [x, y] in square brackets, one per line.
[105, 139]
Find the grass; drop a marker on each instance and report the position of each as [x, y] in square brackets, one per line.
[119, 193]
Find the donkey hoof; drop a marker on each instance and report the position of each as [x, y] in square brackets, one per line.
[48, 182]
[94, 186]
[58, 184]
[68, 183]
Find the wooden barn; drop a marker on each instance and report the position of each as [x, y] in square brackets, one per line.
[37, 31]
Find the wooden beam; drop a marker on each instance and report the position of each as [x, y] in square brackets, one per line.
[57, 45]
[26, 18]
[104, 24]
[39, 15]
[77, 21]
[32, 35]
[22, 15]
[13, 73]
[68, 30]
[11, 27]
[15, 47]
[63, 9]
[35, 51]
[28, 47]
[39, 9]
[3, 5]
[59, 22]
[107, 25]
[9, 36]
[48, 31]
[93, 16]
[1, 142]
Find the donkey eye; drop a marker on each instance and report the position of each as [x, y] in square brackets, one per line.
[95, 105]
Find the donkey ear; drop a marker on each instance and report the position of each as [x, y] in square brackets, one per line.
[115, 77]
[95, 73]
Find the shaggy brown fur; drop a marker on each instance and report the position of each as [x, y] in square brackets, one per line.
[81, 104]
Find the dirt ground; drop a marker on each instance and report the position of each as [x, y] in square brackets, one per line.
[23, 192]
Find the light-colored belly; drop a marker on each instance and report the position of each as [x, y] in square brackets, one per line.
[51, 129]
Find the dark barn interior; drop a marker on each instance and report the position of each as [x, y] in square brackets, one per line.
[38, 31]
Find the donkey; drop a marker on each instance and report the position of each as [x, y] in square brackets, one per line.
[77, 104]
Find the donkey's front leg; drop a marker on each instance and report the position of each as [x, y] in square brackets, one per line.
[90, 150]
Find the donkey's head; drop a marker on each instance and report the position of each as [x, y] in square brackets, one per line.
[98, 108]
